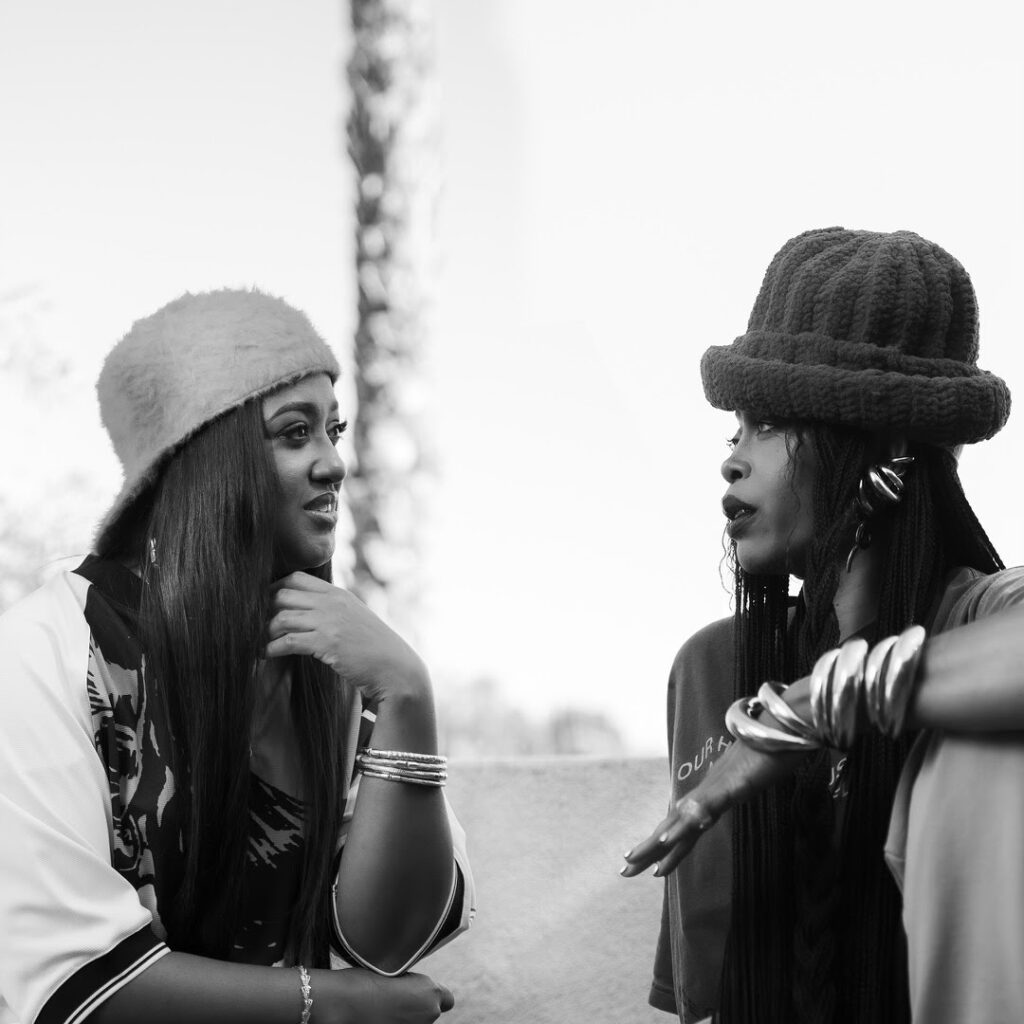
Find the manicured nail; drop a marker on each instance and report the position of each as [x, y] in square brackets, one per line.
[625, 856]
[623, 869]
[657, 871]
[663, 838]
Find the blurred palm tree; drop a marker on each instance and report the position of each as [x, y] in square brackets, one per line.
[393, 146]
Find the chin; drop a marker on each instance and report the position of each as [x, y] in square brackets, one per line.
[315, 561]
[754, 565]
[304, 560]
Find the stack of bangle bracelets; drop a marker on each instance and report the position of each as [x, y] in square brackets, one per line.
[849, 685]
[402, 766]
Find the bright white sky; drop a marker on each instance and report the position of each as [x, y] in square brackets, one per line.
[616, 179]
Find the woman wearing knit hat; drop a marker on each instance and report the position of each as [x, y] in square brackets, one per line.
[854, 386]
[214, 763]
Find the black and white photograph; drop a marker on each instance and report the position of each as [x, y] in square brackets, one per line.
[509, 512]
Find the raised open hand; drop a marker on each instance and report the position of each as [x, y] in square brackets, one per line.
[736, 776]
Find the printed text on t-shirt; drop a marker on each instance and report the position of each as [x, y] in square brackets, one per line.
[704, 758]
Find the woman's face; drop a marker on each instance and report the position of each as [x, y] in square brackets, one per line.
[769, 502]
[302, 429]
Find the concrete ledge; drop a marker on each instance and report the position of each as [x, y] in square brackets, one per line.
[559, 937]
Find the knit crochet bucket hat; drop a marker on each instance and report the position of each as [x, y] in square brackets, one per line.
[864, 329]
[193, 360]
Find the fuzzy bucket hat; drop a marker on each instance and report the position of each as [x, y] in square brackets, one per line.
[865, 329]
[191, 361]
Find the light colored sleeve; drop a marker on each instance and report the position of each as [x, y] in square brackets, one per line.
[991, 594]
[73, 930]
[956, 858]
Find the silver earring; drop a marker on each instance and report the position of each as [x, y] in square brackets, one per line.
[880, 490]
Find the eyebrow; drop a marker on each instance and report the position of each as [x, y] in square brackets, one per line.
[310, 409]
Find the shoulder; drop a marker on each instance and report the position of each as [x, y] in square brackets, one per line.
[44, 648]
[710, 644]
[702, 672]
[972, 595]
[700, 692]
[45, 617]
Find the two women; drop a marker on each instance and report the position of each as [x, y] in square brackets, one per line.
[183, 712]
[854, 387]
[214, 761]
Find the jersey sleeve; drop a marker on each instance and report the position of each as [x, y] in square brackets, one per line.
[460, 907]
[74, 931]
[456, 917]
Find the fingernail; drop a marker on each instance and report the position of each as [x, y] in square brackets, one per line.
[623, 869]
[657, 871]
[663, 838]
[625, 856]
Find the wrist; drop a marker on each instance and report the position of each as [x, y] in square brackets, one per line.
[406, 721]
[741, 773]
[407, 685]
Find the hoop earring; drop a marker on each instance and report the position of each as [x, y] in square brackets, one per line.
[880, 490]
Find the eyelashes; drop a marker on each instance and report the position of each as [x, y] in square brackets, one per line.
[299, 433]
[761, 427]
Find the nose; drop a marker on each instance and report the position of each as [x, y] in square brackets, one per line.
[329, 467]
[735, 467]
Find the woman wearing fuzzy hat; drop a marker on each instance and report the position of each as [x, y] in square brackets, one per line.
[184, 711]
[854, 387]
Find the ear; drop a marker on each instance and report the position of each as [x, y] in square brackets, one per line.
[886, 446]
[895, 446]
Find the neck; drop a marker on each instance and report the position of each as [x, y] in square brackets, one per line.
[856, 600]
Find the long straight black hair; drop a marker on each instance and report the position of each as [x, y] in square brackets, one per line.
[815, 933]
[210, 520]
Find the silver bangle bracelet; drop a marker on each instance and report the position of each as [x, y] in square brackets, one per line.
[770, 696]
[407, 755]
[307, 994]
[847, 681]
[373, 773]
[397, 762]
[821, 690]
[901, 676]
[874, 666]
[744, 726]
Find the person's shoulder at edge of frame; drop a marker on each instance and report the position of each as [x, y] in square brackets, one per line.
[712, 640]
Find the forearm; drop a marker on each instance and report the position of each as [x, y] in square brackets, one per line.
[396, 871]
[197, 990]
[970, 679]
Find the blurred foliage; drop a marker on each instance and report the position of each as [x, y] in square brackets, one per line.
[393, 144]
[392, 148]
[41, 529]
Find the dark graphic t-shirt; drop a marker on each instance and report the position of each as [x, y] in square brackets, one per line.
[696, 907]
